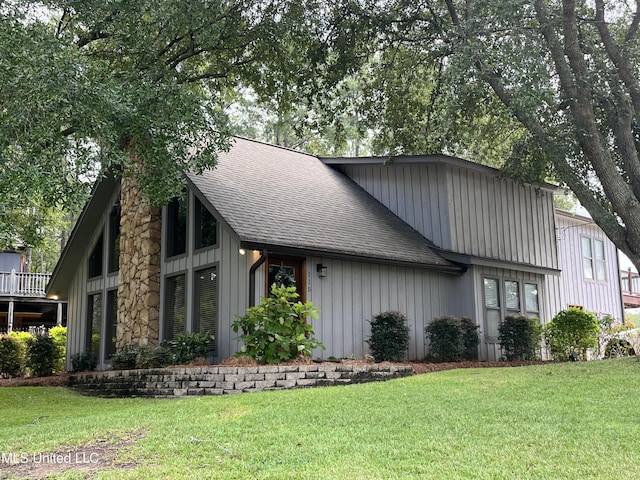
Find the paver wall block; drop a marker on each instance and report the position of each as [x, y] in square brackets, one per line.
[306, 382]
[315, 375]
[227, 370]
[244, 385]
[308, 368]
[207, 384]
[332, 375]
[274, 376]
[294, 375]
[180, 392]
[285, 383]
[225, 385]
[265, 384]
[195, 391]
[213, 391]
[251, 377]
[230, 377]
[288, 368]
[269, 369]
[232, 392]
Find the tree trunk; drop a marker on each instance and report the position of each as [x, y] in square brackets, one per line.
[139, 277]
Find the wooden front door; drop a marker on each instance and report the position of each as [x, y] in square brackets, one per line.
[288, 271]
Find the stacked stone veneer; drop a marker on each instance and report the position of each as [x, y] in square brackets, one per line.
[214, 380]
[139, 281]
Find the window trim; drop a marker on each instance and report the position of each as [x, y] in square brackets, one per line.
[593, 260]
[502, 301]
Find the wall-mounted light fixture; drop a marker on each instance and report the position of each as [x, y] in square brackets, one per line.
[321, 269]
[242, 251]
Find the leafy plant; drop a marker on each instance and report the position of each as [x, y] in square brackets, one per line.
[277, 330]
[42, 354]
[520, 337]
[82, 362]
[125, 359]
[59, 335]
[389, 338]
[571, 332]
[187, 347]
[452, 339]
[11, 357]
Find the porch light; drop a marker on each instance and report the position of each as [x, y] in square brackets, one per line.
[322, 270]
[242, 251]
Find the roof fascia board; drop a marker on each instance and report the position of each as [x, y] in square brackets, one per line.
[489, 262]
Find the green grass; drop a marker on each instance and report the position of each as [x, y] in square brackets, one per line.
[573, 421]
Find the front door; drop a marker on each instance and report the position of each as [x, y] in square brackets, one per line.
[288, 271]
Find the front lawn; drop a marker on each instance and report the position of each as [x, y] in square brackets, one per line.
[572, 420]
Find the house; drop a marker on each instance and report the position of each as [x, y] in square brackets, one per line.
[23, 303]
[426, 235]
[590, 268]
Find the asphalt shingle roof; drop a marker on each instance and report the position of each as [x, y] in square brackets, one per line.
[278, 197]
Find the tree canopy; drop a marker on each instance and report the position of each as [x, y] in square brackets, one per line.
[89, 85]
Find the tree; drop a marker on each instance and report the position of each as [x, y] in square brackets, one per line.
[135, 88]
[565, 70]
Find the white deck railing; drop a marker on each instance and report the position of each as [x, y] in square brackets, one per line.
[22, 284]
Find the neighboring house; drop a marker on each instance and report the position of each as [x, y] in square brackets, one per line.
[22, 297]
[425, 235]
[590, 269]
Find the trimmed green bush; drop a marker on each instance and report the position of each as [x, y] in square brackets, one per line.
[154, 357]
[277, 330]
[125, 359]
[83, 362]
[42, 354]
[12, 354]
[520, 337]
[188, 347]
[571, 332]
[389, 340]
[59, 335]
[452, 339]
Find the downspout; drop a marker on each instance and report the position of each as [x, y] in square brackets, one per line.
[252, 277]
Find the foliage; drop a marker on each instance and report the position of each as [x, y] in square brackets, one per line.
[277, 330]
[452, 339]
[42, 355]
[571, 331]
[141, 87]
[389, 338]
[12, 357]
[125, 359]
[153, 357]
[552, 80]
[83, 362]
[187, 347]
[618, 347]
[59, 335]
[520, 337]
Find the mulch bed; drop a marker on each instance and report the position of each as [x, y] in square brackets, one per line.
[61, 380]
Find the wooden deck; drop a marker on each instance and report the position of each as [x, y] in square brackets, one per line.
[20, 284]
[630, 282]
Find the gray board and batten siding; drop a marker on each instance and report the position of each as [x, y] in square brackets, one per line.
[464, 207]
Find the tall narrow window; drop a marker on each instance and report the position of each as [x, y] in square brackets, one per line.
[111, 323]
[512, 297]
[174, 317]
[177, 225]
[95, 259]
[206, 291]
[599, 261]
[531, 300]
[206, 227]
[587, 258]
[114, 238]
[492, 307]
[94, 323]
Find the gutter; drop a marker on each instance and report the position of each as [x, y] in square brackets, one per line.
[252, 277]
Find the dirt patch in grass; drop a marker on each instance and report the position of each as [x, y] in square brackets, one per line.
[100, 454]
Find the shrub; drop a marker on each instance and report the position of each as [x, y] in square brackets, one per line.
[59, 335]
[42, 354]
[12, 354]
[389, 338]
[187, 347]
[82, 362]
[277, 330]
[470, 338]
[125, 359]
[520, 337]
[571, 333]
[153, 357]
[452, 339]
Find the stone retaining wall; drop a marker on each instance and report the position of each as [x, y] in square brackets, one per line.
[214, 380]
